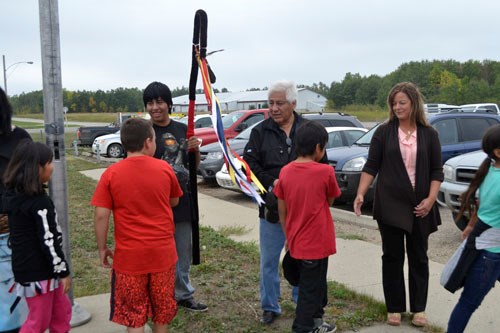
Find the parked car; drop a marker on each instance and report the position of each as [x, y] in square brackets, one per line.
[212, 157]
[234, 123]
[337, 137]
[109, 145]
[487, 107]
[458, 173]
[334, 119]
[459, 133]
[87, 134]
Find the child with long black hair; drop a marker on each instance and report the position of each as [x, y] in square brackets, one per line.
[40, 270]
[482, 233]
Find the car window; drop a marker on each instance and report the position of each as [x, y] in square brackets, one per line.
[231, 118]
[253, 119]
[343, 123]
[204, 122]
[473, 129]
[324, 122]
[245, 135]
[447, 130]
[367, 137]
[334, 140]
[352, 136]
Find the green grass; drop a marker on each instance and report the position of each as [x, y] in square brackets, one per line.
[82, 117]
[365, 113]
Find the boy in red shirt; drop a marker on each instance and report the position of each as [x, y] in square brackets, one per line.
[306, 189]
[140, 191]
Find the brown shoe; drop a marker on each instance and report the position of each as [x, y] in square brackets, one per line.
[419, 319]
[394, 318]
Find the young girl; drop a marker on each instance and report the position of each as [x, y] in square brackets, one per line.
[40, 270]
[484, 231]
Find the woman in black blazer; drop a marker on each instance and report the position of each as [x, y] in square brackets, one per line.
[405, 153]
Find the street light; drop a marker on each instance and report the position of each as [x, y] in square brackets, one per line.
[5, 69]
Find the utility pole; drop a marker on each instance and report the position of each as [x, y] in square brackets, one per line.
[54, 129]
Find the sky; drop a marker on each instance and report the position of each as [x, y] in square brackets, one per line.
[107, 44]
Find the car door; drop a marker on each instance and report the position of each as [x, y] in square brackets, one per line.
[448, 131]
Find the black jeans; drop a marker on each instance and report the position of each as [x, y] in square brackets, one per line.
[393, 258]
[313, 294]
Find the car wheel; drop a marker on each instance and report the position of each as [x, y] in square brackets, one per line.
[115, 150]
[460, 223]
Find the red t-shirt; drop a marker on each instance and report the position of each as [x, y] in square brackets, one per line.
[138, 191]
[305, 188]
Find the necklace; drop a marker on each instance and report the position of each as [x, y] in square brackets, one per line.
[408, 134]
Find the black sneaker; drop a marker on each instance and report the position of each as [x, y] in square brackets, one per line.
[192, 305]
[268, 317]
[325, 328]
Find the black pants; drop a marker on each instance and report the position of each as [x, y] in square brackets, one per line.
[393, 248]
[313, 294]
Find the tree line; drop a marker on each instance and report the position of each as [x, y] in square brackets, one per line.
[441, 81]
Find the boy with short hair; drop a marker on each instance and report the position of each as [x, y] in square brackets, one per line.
[306, 189]
[140, 191]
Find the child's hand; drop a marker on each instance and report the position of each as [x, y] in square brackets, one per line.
[66, 283]
[104, 255]
[467, 231]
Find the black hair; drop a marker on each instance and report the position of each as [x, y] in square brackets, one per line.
[491, 141]
[23, 171]
[5, 114]
[308, 136]
[157, 90]
[134, 132]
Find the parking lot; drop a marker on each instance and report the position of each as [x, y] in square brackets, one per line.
[442, 243]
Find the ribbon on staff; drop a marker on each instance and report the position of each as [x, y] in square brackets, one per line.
[241, 176]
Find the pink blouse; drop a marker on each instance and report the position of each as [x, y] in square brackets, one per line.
[409, 153]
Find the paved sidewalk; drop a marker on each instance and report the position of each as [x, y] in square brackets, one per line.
[357, 264]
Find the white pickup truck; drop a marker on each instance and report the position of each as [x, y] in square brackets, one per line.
[458, 173]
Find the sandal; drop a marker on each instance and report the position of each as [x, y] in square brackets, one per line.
[394, 318]
[419, 319]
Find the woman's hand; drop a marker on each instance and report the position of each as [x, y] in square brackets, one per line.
[423, 208]
[358, 202]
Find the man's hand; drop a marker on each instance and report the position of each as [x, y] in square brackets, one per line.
[104, 255]
[193, 143]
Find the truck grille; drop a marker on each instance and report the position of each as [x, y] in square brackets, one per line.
[465, 175]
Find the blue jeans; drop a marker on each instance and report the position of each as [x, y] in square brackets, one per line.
[272, 240]
[481, 277]
[9, 321]
[183, 239]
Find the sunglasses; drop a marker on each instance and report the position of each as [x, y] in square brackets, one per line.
[289, 144]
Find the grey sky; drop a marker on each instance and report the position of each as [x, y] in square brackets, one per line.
[106, 44]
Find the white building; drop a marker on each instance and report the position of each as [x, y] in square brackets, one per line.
[307, 101]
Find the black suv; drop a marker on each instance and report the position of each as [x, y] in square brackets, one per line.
[459, 132]
[212, 158]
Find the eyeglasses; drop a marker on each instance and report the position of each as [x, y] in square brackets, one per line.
[289, 144]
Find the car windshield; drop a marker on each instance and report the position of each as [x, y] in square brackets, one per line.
[231, 118]
[367, 138]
